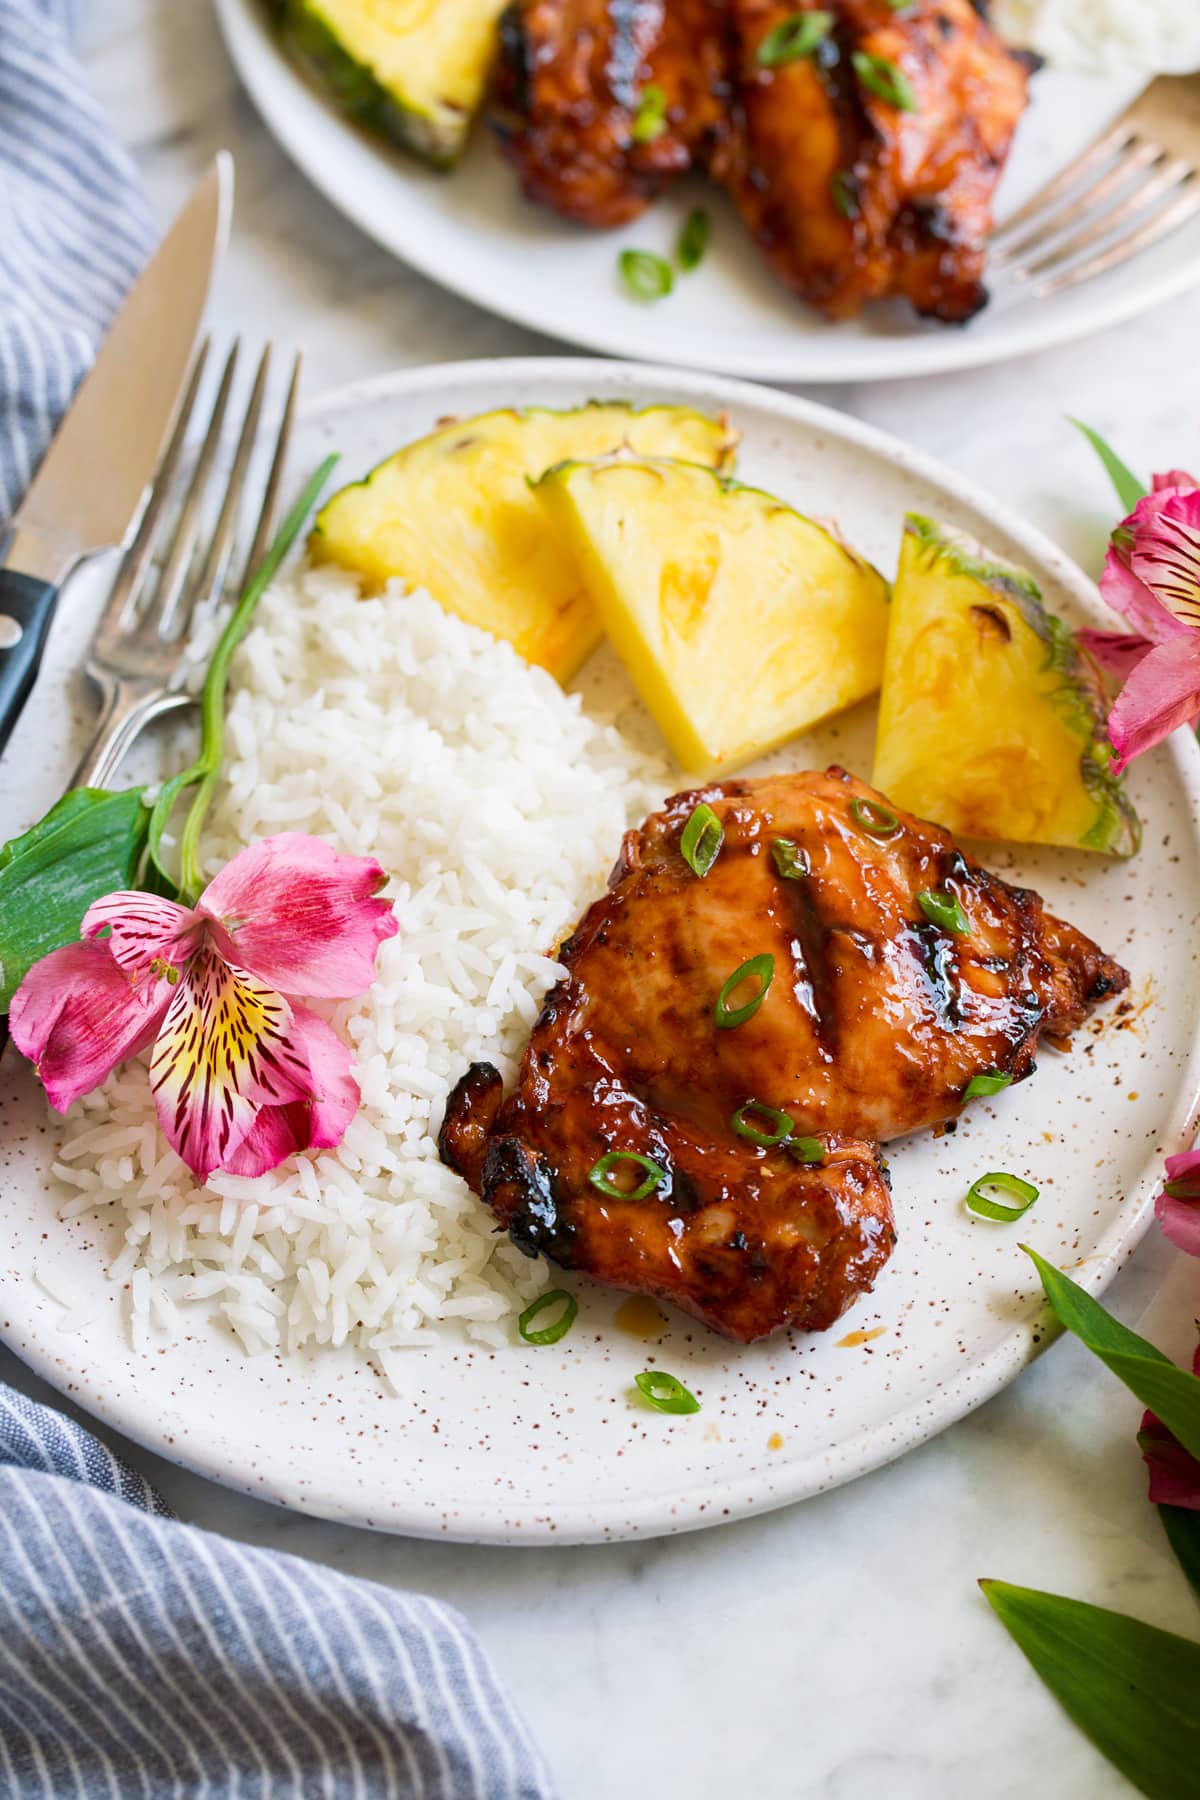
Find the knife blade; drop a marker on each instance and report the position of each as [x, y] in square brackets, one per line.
[92, 481]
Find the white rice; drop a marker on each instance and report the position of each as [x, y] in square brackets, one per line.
[1110, 37]
[496, 804]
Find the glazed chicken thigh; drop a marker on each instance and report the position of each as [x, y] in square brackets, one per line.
[882, 971]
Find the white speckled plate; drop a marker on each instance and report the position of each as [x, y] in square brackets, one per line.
[547, 1445]
[473, 233]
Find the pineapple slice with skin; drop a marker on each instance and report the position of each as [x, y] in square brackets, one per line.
[455, 513]
[741, 621]
[414, 71]
[991, 721]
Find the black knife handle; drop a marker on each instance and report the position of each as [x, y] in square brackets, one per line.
[26, 609]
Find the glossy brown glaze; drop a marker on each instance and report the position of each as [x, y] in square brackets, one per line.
[873, 1024]
[853, 199]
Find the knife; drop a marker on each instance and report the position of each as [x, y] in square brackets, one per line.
[92, 481]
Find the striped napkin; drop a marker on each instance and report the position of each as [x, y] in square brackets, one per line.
[139, 1655]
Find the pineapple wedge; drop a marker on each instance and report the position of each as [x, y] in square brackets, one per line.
[455, 513]
[740, 621]
[413, 70]
[990, 720]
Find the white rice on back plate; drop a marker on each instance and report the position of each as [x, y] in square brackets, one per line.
[495, 803]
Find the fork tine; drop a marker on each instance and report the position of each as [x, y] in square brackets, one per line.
[1173, 175]
[208, 582]
[266, 517]
[1067, 215]
[159, 615]
[1161, 225]
[121, 602]
[1103, 150]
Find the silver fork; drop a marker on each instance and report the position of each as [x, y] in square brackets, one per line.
[1133, 187]
[142, 636]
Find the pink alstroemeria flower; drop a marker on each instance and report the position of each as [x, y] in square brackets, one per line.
[1174, 1474]
[242, 1074]
[1152, 576]
[1177, 1208]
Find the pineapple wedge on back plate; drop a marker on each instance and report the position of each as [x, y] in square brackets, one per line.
[740, 621]
[455, 513]
[990, 721]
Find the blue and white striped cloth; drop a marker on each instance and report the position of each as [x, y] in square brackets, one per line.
[140, 1656]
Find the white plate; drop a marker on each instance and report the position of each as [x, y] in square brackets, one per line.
[473, 233]
[546, 1444]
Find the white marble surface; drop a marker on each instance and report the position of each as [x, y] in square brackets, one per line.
[838, 1650]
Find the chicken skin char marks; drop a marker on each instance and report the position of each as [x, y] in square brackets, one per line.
[874, 1018]
[850, 196]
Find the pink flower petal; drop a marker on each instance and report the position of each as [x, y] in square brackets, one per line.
[1174, 478]
[148, 933]
[224, 1051]
[77, 1015]
[1180, 1221]
[300, 916]
[1174, 1474]
[1162, 693]
[1165, 556]
[318, 1123]
[1123, 591]
[1185, 1168]
[1119, 652]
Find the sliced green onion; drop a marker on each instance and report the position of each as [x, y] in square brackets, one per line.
[701, 839]
[980, 1086]
[612, 1159]
[549, 1334]
[798, 35]
[880, 75]
[645, 274]
[806, 1149]
[941, 908]
[693, 240]
[1023, 1192]
[650, 120]
[742, 1126]
[756, 968]
[876, 821]
[666, 1393]
[790, 859]
[844, 192]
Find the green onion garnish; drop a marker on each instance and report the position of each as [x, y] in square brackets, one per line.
[806, 1149]
[798, 35]
[1022, 1191]
[549, 1334]
[701, 839]
[880, 75]
[941, 908]
[741, 1124]
[756, 968]
[980, 1086]
[693, 240]
[650, 120]
[790, 859]
[844, 192]
[666, 1393]
[876, 821]
[645, 274]
[612, 1159]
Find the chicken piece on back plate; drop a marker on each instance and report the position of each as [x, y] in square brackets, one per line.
[570, 88]
[868, 167]
[729, 1050]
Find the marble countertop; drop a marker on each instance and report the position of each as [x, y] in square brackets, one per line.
[839, 1649]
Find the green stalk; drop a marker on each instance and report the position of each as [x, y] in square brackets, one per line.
[203, 773]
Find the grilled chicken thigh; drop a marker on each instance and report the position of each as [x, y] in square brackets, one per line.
[852, 197]
[861, 1018]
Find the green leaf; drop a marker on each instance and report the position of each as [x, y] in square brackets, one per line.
[1130, 1687]
[1172, 1393]
[1129, 489]
[88, 845]
[1182, 1527]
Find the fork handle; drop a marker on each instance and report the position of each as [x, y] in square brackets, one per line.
[26, 610]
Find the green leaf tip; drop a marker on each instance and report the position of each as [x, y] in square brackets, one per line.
[1129, 489]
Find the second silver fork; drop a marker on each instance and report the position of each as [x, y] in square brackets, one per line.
[142, 637]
